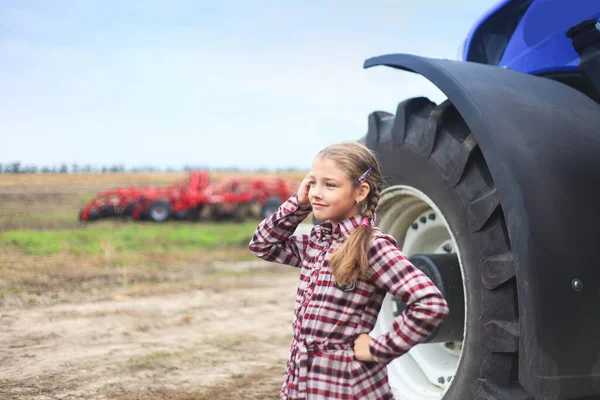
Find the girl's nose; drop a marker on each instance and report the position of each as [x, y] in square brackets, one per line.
[314, 192]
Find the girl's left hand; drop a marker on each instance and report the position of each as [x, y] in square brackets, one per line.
[361, 348]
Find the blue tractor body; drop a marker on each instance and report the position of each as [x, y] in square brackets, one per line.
[529, 35]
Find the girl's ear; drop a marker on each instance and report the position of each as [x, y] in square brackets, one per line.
[363, 192]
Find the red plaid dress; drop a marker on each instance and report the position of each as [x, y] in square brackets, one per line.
[327, 319]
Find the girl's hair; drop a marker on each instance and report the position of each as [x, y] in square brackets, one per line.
[350, 261]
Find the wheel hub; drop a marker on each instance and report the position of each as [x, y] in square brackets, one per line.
[444, 272]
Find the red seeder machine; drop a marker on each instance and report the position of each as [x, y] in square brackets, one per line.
[230, 198]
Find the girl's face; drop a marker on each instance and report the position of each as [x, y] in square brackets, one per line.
[332, 195]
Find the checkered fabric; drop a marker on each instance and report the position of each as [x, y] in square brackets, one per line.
[327, 319]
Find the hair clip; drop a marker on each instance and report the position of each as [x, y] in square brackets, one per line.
[364, 176]
[365, 222]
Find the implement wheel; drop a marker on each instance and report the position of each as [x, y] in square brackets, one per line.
[440, 203]
[159, 211]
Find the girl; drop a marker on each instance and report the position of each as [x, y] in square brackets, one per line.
[347, 266]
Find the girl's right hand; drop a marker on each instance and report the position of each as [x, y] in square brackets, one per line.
[303, 201]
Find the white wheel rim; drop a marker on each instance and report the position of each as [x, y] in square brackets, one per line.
[159, 213]
[426, 371]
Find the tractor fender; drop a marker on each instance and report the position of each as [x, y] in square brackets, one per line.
[541, 141]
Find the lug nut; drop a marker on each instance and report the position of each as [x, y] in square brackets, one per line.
[423, 220]
[577, 284]
[415, 226]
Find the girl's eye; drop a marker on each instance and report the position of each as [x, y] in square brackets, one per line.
[330, 185]
[312, 182]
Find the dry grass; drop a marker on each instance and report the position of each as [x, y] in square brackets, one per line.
[110, 179]
[41, 210]
[27, 281]
[157, 360]
[257, 384]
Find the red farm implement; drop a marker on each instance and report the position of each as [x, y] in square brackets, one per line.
[194, 196]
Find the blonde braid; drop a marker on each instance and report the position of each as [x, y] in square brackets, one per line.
[373, 200]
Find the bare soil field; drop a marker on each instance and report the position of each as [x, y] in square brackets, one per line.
[168, 324]
[209, 338]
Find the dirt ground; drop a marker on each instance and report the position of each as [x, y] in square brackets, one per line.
[222, 342]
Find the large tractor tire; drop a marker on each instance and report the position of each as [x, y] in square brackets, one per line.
[441, 201]
[159, 211]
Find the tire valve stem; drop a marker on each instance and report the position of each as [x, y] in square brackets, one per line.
[577, 284]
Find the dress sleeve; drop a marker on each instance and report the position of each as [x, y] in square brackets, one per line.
[426, 308]
[274, 238]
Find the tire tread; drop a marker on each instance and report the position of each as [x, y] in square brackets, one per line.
[482, 208]
[440, 133]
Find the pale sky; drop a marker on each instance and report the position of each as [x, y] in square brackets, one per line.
[248, 84]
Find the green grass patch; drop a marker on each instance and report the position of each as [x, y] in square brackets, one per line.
[129, 238]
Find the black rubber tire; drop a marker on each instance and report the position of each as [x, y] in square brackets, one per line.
[156, 205]
[128, 210]
[92, 216]
[196, 212]
[430, 148]
[270, 206]
[107, 211]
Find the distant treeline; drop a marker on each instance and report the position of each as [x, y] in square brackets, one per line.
[18, 168]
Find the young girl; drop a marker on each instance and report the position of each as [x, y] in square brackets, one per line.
[347, 266]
